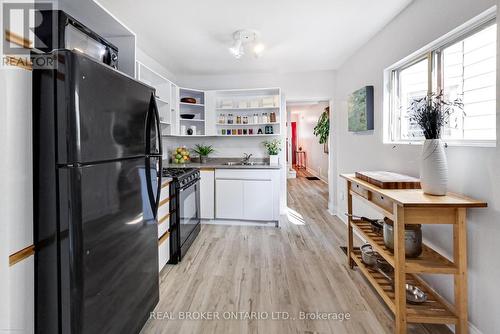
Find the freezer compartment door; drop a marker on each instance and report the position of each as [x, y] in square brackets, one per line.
[109, 247]
[102, 114]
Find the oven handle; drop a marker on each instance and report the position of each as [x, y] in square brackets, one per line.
[189, 185]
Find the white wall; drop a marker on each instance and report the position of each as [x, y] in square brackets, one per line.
[473, 171]
[307, 117]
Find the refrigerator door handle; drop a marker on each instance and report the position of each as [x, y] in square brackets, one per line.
[158, 127]
[153, 117]
[154, 201]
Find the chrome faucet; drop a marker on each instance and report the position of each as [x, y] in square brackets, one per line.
[246, 159]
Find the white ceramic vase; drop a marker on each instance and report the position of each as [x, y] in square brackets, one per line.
[433, 168]
[273, 160]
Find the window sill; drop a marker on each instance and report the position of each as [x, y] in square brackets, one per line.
[451, 143]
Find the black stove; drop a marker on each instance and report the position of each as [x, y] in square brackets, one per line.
[182, 176]
[184, 210]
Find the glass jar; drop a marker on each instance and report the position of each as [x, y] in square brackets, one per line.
[230, 119]
[222, 119]
[272, 117]
[245, 119]
[265, 119]
[255, 118]
[238, 119]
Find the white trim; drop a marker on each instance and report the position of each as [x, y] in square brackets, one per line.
[450, 143]
[468, 27]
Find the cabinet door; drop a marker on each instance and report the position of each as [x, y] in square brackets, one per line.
[207, 194]
[229, 199]
[258, 200]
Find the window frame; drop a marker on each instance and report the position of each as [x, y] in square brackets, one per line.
[433, 53]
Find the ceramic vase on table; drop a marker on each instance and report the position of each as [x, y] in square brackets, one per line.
[433, 168]
[273, 160]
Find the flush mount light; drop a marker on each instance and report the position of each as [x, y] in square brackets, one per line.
[245, 40]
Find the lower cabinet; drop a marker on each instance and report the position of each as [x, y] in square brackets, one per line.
[229, 199]
[207, 194]
[247, 194]
[163, 226]
[258, 199]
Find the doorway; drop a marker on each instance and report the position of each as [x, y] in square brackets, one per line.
[307, 157]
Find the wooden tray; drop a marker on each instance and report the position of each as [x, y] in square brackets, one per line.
[389, 180]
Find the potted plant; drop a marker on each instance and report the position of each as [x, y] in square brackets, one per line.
[322, 128]
[273, 148]
[203, 151]
[431, 113]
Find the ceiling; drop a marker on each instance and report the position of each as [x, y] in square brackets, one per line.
[193, 36]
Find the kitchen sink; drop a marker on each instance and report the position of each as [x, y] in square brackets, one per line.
[252, 163]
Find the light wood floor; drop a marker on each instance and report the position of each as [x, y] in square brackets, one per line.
[296, 268]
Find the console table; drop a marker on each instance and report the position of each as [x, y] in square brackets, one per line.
[412, 206]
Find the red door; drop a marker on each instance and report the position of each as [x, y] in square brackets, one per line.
[294, 143]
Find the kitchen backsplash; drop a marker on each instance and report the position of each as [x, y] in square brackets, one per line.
[224, 147]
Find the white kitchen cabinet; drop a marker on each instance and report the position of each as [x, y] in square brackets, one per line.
[207, 194]
[163, 252]
[22, 296]
[257, 200]
[247, 194]
[229, 198]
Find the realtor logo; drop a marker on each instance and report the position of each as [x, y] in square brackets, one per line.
[19, 20]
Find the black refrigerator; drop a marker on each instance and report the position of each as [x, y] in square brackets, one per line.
[97, 162]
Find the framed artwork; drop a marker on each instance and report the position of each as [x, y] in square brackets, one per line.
[360, 110]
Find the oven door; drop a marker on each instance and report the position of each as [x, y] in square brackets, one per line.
[189, 211]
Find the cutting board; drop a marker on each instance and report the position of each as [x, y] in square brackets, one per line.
[389, 180]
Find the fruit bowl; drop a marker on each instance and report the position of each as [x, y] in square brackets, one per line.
[180, 156]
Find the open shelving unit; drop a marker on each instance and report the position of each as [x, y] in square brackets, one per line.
[247, 103]
[165, 92]
[198, 123]
[405, 207]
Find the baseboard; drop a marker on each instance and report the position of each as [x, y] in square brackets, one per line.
[237, 222]
[315, 173]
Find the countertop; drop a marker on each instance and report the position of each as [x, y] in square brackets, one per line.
[219, 163]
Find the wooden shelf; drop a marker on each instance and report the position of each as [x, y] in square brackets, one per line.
[249, 124]
[191, 120]
[191, 104]
[429, 261]
[435, 310]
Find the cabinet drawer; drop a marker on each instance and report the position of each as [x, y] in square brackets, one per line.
[163, 210]
[245, 174]
[165, 193]
[163, 224]
[360, 190]
[163, 252]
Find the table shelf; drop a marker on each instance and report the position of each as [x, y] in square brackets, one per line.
[429, 261]
[434, 311]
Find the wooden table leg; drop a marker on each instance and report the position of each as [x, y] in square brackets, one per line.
[399, 270]
[350, 261]
[460, 278]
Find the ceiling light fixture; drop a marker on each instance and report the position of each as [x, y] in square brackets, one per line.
[246, 40]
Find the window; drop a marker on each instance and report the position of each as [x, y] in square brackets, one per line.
[462, 66]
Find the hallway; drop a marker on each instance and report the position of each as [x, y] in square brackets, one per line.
[296, 268]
